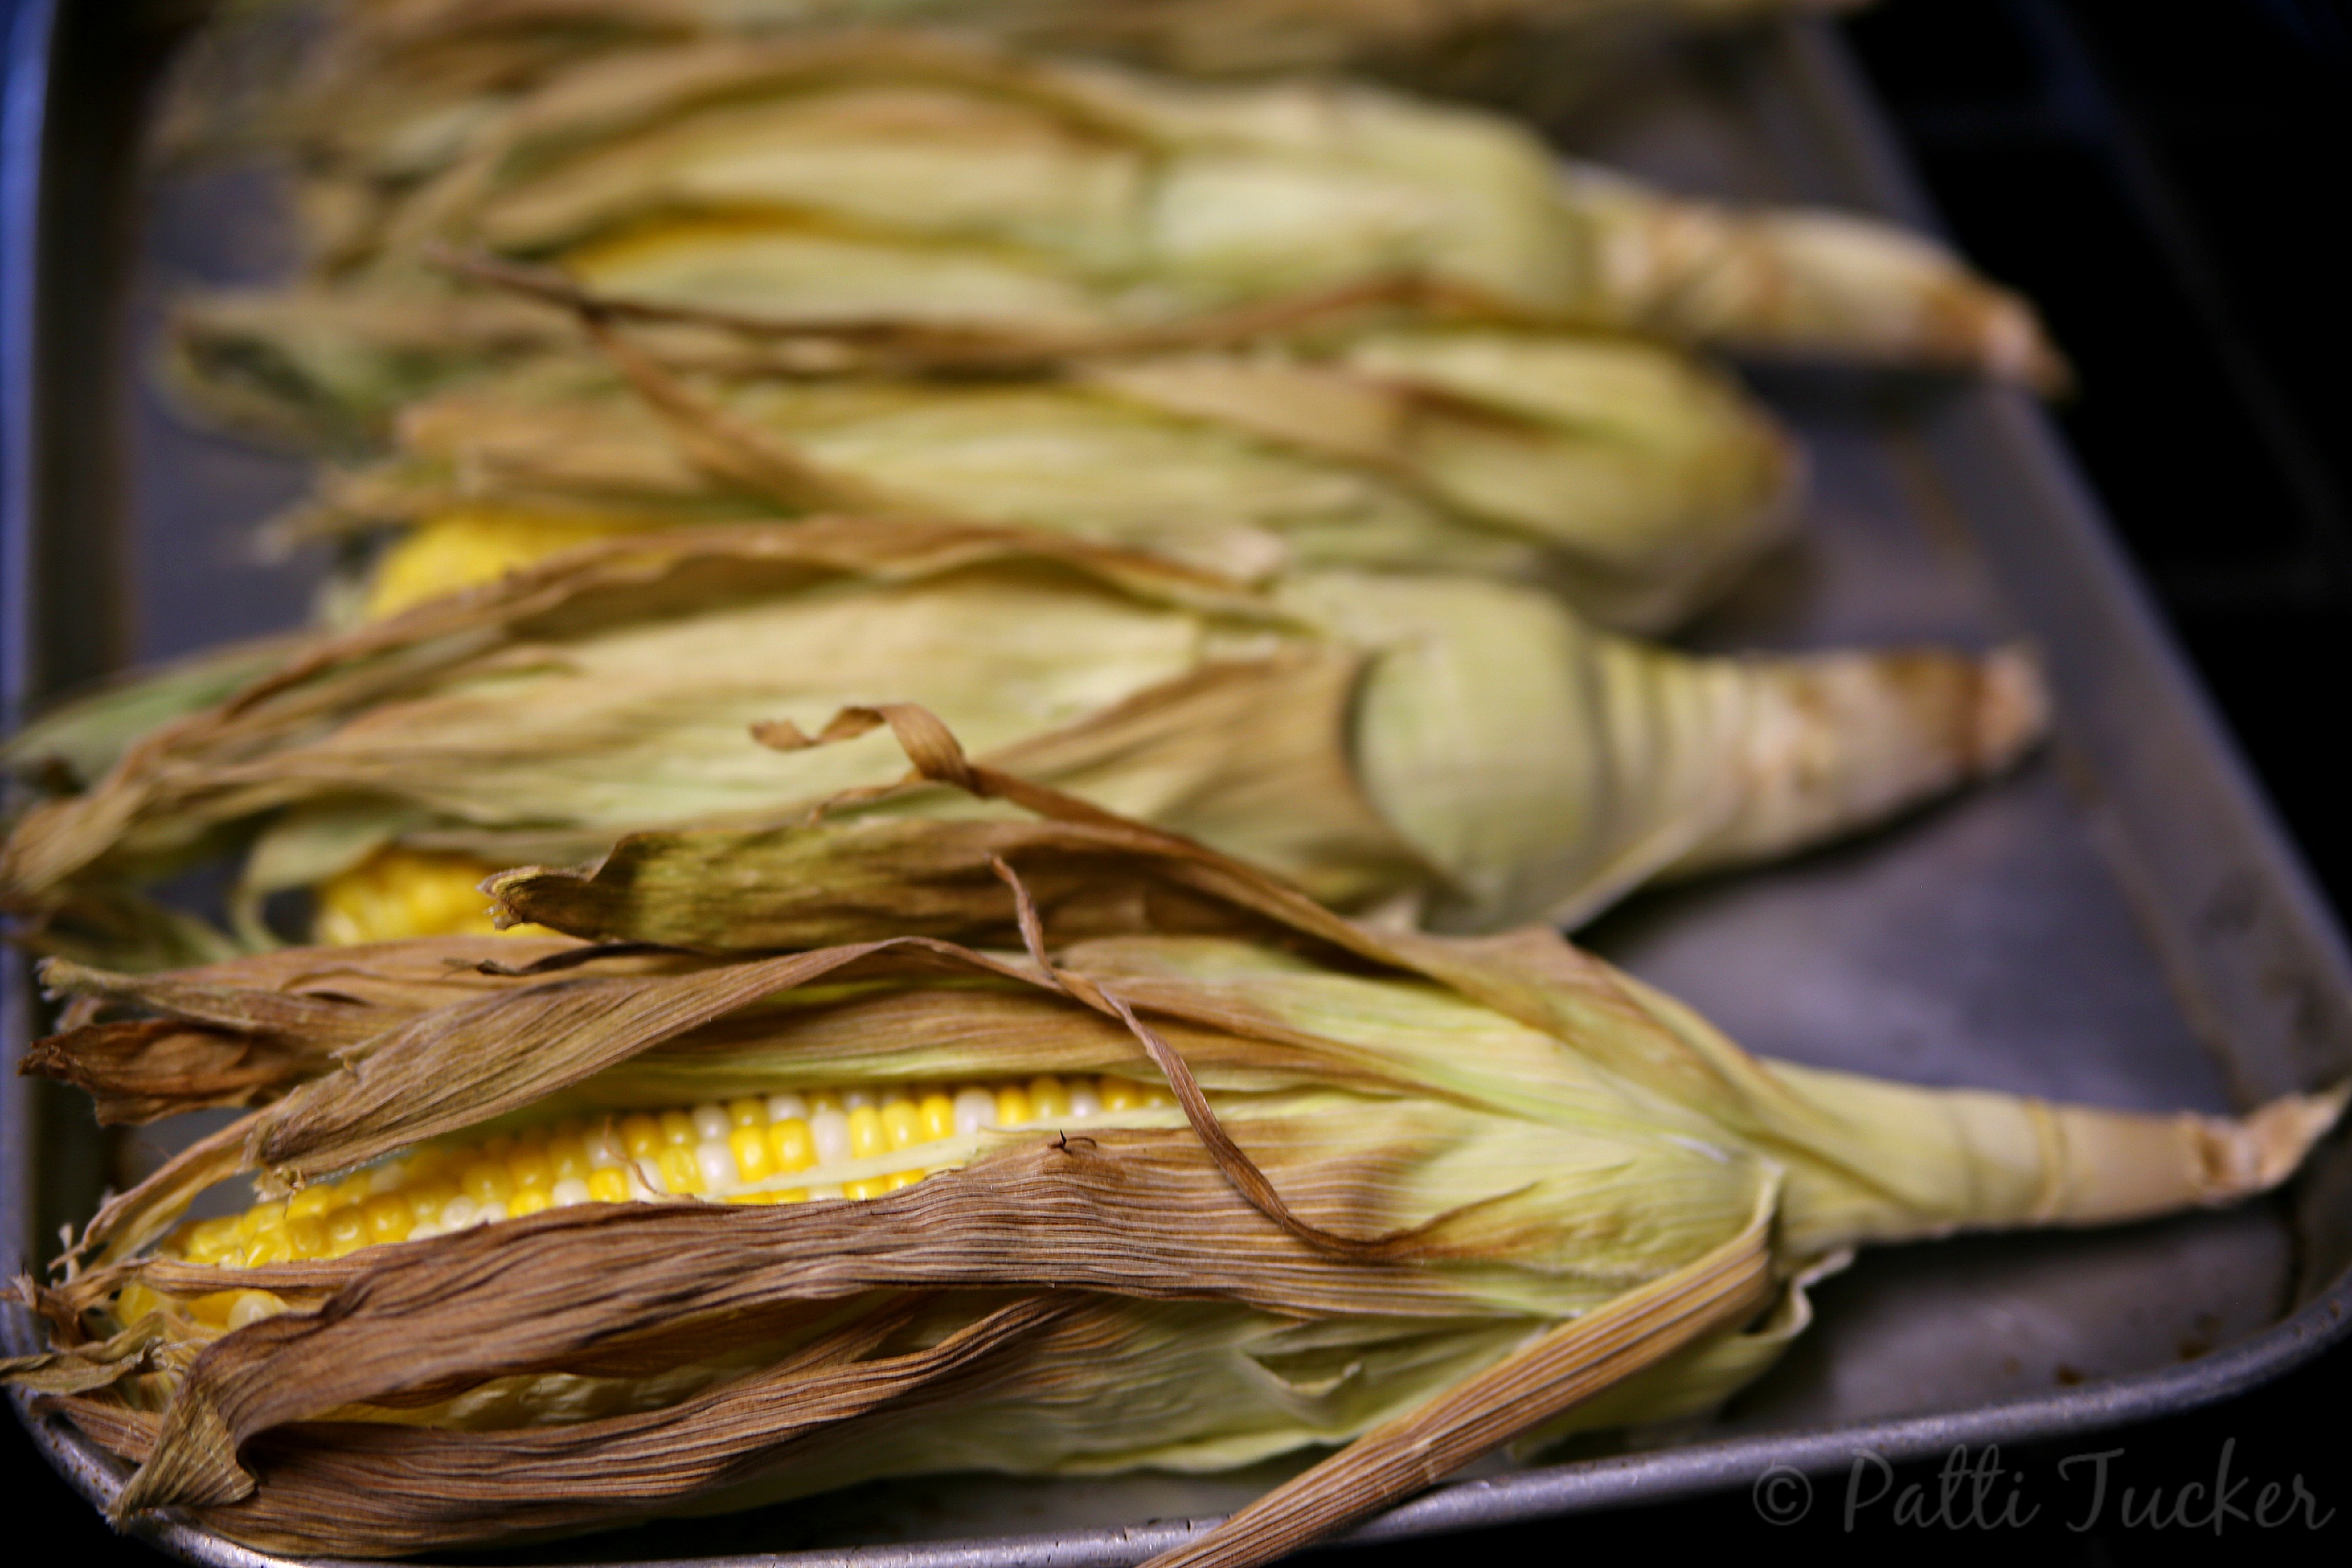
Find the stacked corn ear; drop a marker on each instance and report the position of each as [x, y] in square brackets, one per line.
[827, 188]
[604, 1232]
[1470, 747]
[1618, 475]
[383, 89]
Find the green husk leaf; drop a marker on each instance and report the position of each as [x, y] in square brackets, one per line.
[614, 690]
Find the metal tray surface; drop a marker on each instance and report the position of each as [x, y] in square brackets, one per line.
[2119, 922]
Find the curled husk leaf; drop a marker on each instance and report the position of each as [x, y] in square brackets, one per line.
[1417, 1196]
[1468, 745]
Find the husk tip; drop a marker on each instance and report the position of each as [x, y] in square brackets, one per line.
[2012, 708]
[2274, 1141]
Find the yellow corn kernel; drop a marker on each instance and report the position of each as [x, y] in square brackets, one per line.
[867, 1138]
[608, 1185]
[824, 1100]
[251, 1307]
[530, 1169]
[872, 1187]
[274, 1247]
[898, 1179]
[1119, 1093]
[678, 1131]
[211, 1239]
[1047, 1098]
[641, 1137]
[748, 1112]
[260, 1220]
[567, 1158]
[388, 1218]
[311, 1203]
[528, 1200]
[347, 1232]
[486, 1182]
[307, 1235]
[902, 1123]
[937, 1113]
[791, 1146]
[471, 546]
[750, 1147]
[213, 1309]
[136, 1302]
[1011, 1106]
[426, 1200]
[680, 1170]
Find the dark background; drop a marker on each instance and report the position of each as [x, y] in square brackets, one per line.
[2161, 179]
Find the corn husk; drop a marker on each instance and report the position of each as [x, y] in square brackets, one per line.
[1631, 481]
[387, 88]
[1424, 1195]
[1467, 744]
[818, 187]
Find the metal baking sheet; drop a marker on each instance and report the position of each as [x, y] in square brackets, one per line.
[2119, 922]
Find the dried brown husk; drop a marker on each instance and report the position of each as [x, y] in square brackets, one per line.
[611, 690]
[1043, 1295]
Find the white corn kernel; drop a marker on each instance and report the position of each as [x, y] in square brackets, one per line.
[787, 1107]
[829, 1130]
[711, 1123]
[974, 1109]
[567, 1191]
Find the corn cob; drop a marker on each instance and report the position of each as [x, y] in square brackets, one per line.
[383, 93]
[1631, 483]
[1465, 1169]
[838, 185]
[1468, 745]
[778, 1148]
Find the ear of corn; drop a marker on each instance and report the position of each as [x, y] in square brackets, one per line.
[1398, 1196]
[834, 185]
[383, 79]
[1468, 743]
[1611, 471]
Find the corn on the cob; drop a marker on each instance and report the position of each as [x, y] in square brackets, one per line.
[844, 184]
[786, 1148]
[1490, 1178]
[1633, 483]
[375, 69]
[1467, 742]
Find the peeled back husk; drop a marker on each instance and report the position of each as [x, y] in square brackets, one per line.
[1631, 481]
[1420, 1196]
[1469, 745]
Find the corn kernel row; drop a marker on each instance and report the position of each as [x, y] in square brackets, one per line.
[398, 892]
[740, 1151]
